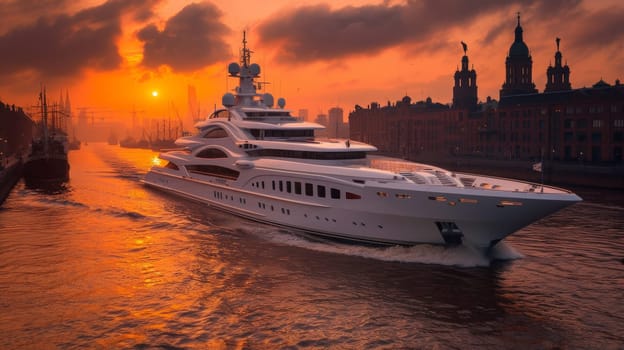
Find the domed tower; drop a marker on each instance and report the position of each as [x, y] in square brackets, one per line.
[518, 68]
[558, 76]
[465, 89]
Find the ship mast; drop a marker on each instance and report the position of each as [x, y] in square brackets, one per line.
[44, 119]
[246, 91]
[245, 52]
[248, 72]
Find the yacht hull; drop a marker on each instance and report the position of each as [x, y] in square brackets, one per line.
[476, 218]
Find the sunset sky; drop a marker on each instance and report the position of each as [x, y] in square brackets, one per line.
[111, 55]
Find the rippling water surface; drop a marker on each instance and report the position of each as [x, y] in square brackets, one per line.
[105, 262]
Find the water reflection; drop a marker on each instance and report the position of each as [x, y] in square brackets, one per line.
[48, 187]
[112, 264]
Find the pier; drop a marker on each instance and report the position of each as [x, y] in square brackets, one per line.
[16, 132]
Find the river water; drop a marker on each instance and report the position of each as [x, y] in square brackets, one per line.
[107, 263]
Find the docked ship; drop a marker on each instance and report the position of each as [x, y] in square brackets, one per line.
[48, 155]
[257, 161]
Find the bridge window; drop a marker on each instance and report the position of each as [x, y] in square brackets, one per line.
[215, 133]
[306, 155]
[211, 153]
[213, 170]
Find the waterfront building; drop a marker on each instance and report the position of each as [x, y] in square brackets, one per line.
[16, 131]
[303, 114]
[583, 125]
[336, 127]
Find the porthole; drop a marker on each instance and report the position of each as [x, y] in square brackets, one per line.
[508, 204]
[468, 200]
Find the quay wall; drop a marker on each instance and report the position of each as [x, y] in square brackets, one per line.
[16, 133]
[10, 173]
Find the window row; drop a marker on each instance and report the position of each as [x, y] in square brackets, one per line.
[307, 189]
[305, 154]
[262, 133]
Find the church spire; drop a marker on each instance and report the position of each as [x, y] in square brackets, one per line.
[518, 38]
[518, 67]
[465, 89]
[558, 77]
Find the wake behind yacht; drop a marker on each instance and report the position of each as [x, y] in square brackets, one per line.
[256, 160]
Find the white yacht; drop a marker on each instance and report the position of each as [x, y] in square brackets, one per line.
[259, 162]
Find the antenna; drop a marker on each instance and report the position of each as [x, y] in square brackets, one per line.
[246, 53]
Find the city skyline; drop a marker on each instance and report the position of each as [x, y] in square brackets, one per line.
[113, 55]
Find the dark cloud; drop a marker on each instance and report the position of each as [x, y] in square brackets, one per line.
[192, 39]
[22, 12]
[318, 32]
[600, 29]
[62, 45]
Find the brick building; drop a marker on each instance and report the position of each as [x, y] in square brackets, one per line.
[561, 123]
[16, 131]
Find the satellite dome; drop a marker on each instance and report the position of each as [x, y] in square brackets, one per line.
[281, 102]
[233, 68]
[254, 69]
[268, 99]
[228, 100]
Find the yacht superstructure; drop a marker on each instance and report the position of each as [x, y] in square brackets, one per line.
[257, 161]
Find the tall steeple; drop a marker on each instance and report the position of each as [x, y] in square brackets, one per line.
[465, 89]
[558, 76]
[518, 67]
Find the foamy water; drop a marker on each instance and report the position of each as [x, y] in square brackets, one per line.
[461, 255]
